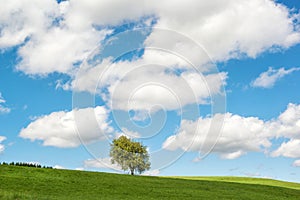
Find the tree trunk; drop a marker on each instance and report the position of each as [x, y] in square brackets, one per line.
[132, 171]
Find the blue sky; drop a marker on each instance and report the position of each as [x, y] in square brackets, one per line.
[76, 74]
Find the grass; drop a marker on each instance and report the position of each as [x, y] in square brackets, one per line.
[247, 180]
[32, 183]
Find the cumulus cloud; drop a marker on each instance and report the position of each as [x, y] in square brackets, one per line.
[229, 29]
[288, 127]
[58, 35]
[288, 123]
[20, 20]
[101, 163]
[168, 91]
[53, 37]
[3, 109]
[139, 85]
[2, 147]
[69, 129]
[225, 30]
[57, 50]
[269, 78]
[82, 14]
[290, 149]
[240, 135]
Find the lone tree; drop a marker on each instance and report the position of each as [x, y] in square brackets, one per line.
[130, 155]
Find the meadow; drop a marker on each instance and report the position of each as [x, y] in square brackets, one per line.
[18, 182]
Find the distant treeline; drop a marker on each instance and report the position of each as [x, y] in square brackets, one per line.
[24, 164]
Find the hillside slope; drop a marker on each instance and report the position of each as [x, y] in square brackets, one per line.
[32, 183]
[247, 180]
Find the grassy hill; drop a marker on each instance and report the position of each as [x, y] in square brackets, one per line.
[247, 180]
[32, 183]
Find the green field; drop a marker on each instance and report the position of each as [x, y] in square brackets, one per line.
[247, 180]
[37, 183]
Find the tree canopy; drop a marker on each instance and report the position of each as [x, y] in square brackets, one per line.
[129, 155]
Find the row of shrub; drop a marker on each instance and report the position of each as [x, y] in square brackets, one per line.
[25, 164]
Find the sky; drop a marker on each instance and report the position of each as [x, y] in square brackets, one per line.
[211, 88]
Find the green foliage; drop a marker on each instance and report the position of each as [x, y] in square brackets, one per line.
[38, 183]
[130, 155]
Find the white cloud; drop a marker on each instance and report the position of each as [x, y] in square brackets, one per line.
[61, 34]
[58, 167]
[69, 129]
[296, 163]
[128, 133]
[269, 78]
[20, 19]
[57, 50]
[2, 147]
[107, 73]
[152, 173]
[63, 85]
[290, 149]
[288, 127]
[288, 124]
[101, 163]
[171, 92]
[56, 37]
[3, 109]
[238, 136]
[228, 29]
[81, 14]
[139, 85]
